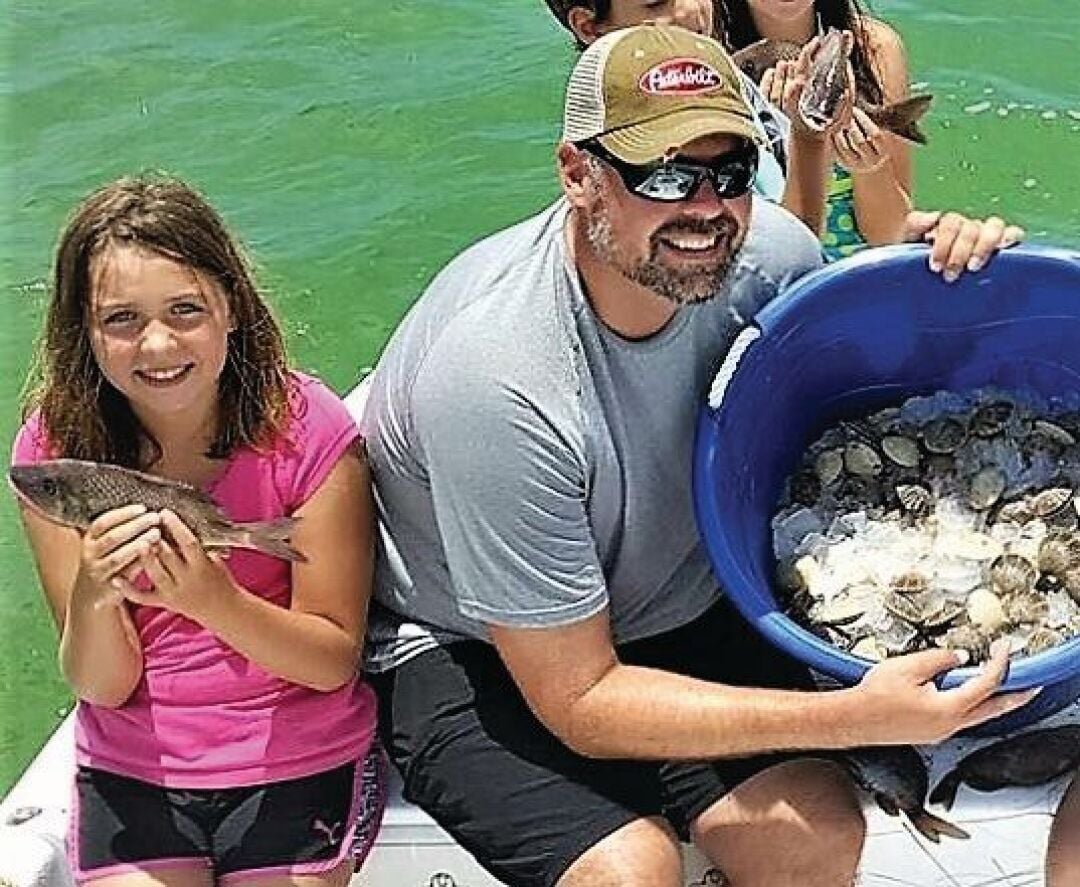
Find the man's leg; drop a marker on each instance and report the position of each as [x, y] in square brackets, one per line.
[796, 824]
[531, 811]
[1063, 852]
[645, 853]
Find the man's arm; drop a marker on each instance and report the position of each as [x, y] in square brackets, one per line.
[572, 680]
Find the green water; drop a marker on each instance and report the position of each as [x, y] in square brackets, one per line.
[357, 146]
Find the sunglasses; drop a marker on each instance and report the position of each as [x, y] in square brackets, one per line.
[671, 181]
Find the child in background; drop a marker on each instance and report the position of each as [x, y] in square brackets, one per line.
[221, 728]
[869, 196]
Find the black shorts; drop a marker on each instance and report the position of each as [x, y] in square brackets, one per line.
[473, 755]
[296, 826]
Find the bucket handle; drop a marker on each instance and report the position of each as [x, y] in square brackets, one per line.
[731, 362]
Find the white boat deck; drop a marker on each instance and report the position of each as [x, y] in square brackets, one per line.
[1008, 828]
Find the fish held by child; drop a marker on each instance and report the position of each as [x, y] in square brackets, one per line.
[828, 84]
[73, 493]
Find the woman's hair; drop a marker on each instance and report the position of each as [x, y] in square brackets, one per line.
[735, 29]
[82, 414]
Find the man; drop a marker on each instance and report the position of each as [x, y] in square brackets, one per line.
[562, 685]
[796, 167]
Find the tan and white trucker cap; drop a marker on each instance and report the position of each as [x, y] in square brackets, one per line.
[647, 90]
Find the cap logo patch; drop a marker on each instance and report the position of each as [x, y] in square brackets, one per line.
[682, 76]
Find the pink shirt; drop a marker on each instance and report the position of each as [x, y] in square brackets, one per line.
[203, 716]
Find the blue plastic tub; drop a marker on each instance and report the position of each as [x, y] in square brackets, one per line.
[852, 338]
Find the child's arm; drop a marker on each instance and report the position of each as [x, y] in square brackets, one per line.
[883, 189]
[100, 655]
[317, 641]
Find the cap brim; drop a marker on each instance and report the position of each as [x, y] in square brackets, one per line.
[651, 140]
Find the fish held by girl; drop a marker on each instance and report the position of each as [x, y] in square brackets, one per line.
[828, 84]
[72, 492]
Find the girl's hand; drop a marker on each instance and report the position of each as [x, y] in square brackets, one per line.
[860, 146]
[111, 548]
[784, 85]
[187, 579]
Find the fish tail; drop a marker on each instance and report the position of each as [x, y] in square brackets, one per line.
[270, 537]
[903, 117]
[933, 827]
[944, 792]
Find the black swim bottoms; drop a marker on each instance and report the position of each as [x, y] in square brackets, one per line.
[473, 755]
[295, 826]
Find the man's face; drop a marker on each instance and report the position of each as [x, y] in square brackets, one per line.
[681, 251]
[695, 15]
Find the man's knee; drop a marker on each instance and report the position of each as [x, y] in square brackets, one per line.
[643, 853]
[807, 806]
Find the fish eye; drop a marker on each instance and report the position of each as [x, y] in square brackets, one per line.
[50, 486]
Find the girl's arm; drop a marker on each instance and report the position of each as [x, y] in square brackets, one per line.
[316, 642]
[883, 190]
[100, 654]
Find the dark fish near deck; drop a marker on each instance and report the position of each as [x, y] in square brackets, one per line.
[827, 84]
[73, 493]
[1031, 758]
[896, 777]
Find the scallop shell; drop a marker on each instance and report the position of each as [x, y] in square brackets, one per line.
[862, 460]
[1026, 609]
[829, 465]
[967, 637]
[987, 487]
[1059, 553]
[1054, 433]
[910, 582]
[903, 607]
[944, 435]
[1013, 574]
[1050, 501]
[1018, 512]
[1042, 639]
[991, 418]
[904, 451]
[914, 499]
[870, 648]
[985, 610]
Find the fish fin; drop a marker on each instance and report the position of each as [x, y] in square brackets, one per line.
[944, 792]
[270, 537]
[887, 804]
[934, 827]
[902, 118]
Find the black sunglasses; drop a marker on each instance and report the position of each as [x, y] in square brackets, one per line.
[669, 181]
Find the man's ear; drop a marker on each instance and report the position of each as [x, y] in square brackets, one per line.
[583, 23]
[574, 177]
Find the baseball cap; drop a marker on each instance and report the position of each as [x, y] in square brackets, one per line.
[644, 90]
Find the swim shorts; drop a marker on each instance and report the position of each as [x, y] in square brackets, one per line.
[477, 760]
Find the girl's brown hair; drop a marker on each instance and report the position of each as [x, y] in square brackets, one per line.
[83, 415]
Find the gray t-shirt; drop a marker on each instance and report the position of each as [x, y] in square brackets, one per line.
[533, 467]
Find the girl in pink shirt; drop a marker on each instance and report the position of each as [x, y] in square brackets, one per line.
[221, 728]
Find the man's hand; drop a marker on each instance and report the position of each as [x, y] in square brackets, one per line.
[902, 704]
[957, 242]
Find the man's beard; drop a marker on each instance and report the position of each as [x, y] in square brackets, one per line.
[696, 282]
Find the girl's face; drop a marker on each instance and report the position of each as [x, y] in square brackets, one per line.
[781, 10]
[159, 331]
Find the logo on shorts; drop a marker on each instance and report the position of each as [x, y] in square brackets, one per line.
[331, 831]
[682, 76]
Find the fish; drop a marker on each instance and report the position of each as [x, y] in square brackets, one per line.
[1028, 759]
[827, 84]
[897, 779]
[72, 493]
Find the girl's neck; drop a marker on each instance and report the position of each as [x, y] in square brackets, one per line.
[184, 439]
[798, 29]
